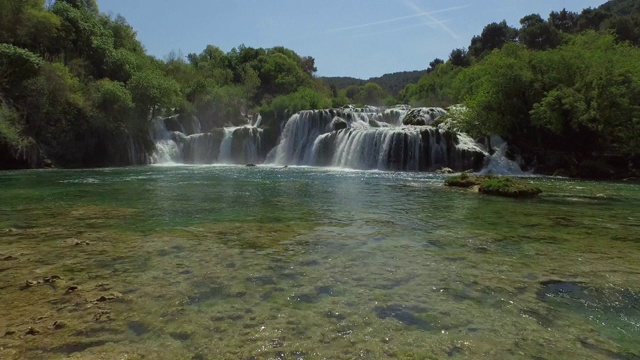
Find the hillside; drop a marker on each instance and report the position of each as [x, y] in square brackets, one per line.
[392, 83]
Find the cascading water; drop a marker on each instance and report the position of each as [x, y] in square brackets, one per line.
[226, 156]
[398, 138]
[230, 145]
[498, 163]
[373, 139]
[167, 149]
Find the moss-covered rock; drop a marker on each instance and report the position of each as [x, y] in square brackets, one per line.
[464, 180]
[494, 185]
[509, 187]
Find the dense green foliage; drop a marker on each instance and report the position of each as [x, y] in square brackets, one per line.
[78, 89]
[565, 91]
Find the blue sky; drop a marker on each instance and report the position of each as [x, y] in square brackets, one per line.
[359, 38]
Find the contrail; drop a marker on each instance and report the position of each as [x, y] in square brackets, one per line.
[418, 14]
[393, 30]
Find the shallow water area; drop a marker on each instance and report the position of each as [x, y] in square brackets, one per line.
[266, 262]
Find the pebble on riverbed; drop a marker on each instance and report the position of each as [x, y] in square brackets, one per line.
[45, 280]
[77, 242]
[57, 325]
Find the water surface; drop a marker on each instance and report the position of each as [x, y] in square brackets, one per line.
[236, 262]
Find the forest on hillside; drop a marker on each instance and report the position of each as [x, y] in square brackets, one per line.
[77, 87]
[391, 83]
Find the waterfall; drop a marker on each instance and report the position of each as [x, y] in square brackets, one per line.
[370, 138]
[498, 163]
[167, 149]
[229, 145]
[258, 121]
[225, 156]
[399, 138]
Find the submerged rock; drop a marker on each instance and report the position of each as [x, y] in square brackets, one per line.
[57, 325]
[33, 331]
[404, 315]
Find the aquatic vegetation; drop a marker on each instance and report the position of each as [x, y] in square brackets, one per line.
[494, 185]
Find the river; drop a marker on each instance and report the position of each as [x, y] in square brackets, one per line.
[268, 262]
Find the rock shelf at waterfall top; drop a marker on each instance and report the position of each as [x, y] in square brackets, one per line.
[494, 185]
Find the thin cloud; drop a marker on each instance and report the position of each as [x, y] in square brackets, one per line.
[433, 23]
[417, 14]
[434, 20]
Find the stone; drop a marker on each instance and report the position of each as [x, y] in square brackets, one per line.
[57, 325]
[33, 331]
[445, 170]
[339, 124]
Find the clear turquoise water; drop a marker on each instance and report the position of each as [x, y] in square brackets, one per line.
[236, 262]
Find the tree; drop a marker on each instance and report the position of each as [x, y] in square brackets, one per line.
[497, 92]
[113, 104]
[459, 57]
[17, 65]
[433, 64]
[625, 28]
[493, 36]
[89, 5]
[153, 93]
[433, 89]
[308, 65]
[564, 21]
[590, 19]
[537, 34]
[371, 94]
